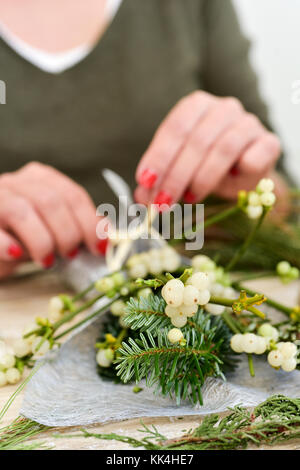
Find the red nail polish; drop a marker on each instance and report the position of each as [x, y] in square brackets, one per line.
[15, 251]
[48, 261]
[163, 198]
[73, 253]
[189, 197]
[234, 171]
[102, 246]
[148, 178]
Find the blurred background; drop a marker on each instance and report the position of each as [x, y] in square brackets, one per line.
[273, 27]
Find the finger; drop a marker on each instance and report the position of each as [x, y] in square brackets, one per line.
[225, 152]
[171, 136]
[10, 248]
[198, 144]
[230, 185]
[79, 202]
[55, 214]
[17, 214]
[261, 156]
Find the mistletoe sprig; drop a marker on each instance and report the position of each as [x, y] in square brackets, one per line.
[171, 325]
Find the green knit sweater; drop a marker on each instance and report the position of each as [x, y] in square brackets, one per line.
[104, 111]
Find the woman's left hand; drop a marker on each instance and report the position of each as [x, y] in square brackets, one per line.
[205, 145]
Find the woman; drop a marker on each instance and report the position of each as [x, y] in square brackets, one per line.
[88, 85]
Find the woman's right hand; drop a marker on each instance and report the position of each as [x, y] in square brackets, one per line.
[43, 212]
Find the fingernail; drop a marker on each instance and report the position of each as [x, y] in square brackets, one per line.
[148, 178]
[163, 198]
[48, 261]
[189, 197]
[15, 251]
[73, 253]
[102, 246]
[234, 171]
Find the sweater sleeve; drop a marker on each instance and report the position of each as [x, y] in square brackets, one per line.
[227, 69]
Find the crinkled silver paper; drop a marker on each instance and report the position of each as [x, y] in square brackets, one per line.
[67, 391]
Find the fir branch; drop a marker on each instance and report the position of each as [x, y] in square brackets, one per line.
[175, 370]
[273, 421]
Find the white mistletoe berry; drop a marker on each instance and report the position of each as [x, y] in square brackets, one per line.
[7, 361]
[175, 335]
[287, 349]
[289, 364]
[173, 292]
[275, 358]
[268, 199]
[236, 343]
[171, 311]
[117, 308]
[203, 263]
[249, 343]
[214, 309]
[179, 321]
[187, 310]
[155, 266]
[229, 293]
[283, 268]
[144, 292]
[265, 185]
[254, 199]
[3, 380]
[56, 305]
[217, 289]
[199, 280]
[254, 212]
[104, 357]
[104, 285]
[191, 295]
[268, 331]
[21, 348]
[261, 345]
[12, 375]
[204, 297]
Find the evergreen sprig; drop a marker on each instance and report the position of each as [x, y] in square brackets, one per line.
[147, 314]
[176, 370]
[274, 421]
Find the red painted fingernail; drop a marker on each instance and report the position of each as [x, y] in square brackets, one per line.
[102, 246]
[15, 251]
[73, 253]
[163, 198]
[189, 197]
[48, 261]
[234, 171]
[148, 178]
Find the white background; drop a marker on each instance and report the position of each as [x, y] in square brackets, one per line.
[274, 28]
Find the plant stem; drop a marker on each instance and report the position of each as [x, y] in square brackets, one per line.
[282, 308]
[251, 366]
[84, 320]
[243, 248]
[210, 221]
[229, 303]
[83, 293]
[230, 323]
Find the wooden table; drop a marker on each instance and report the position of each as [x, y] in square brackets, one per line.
[21, 300]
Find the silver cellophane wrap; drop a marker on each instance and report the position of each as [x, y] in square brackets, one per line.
[67, 390]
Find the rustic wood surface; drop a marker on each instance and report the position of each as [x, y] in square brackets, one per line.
[21, 300]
